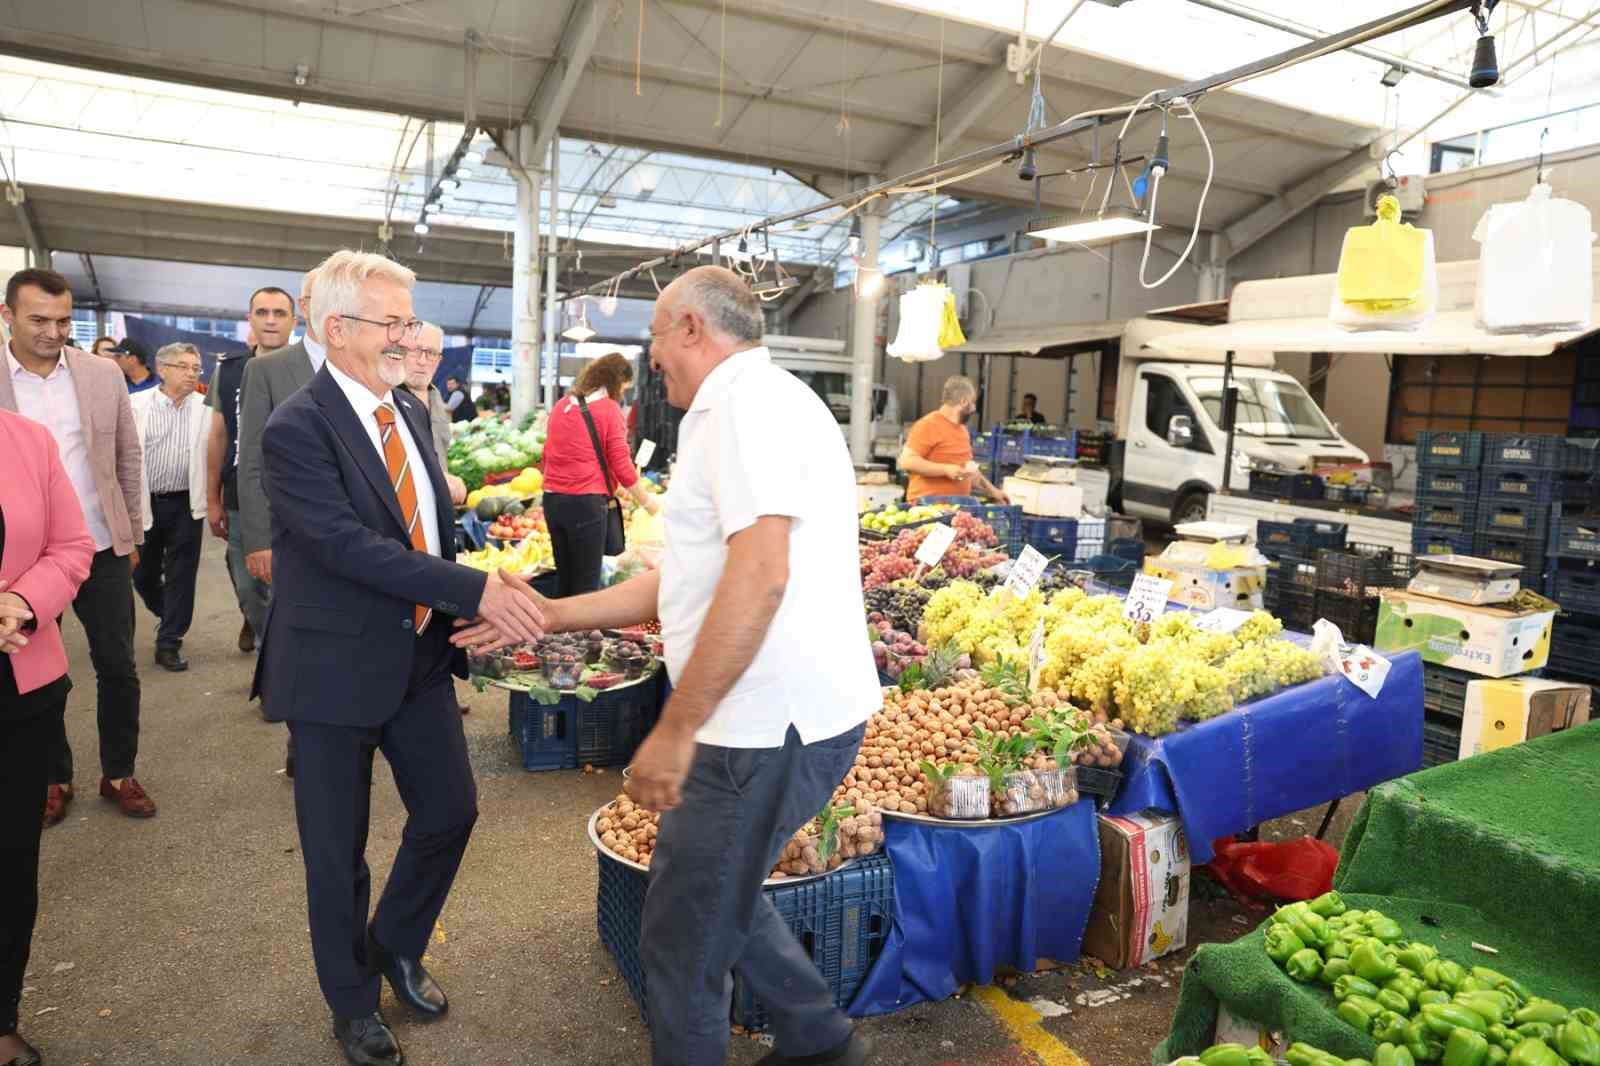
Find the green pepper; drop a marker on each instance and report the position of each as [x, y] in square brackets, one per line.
[1390, 1026]
[1345, 987]
[1578, 1042]
[1306, 1055]
[1441, 1018]
[1470, 983]
[1541, 1010]
[1442, 973]
[1491, 1005]
[1533, 1052]
[1304, 965]
[1337, 948]
[1385, 929]
[1258, 1057]
[1422, 1044]
[1502, 1036]
[1373, 960]
[1225, 1055]
[1354, 1016]
[1393, 1055]
[1357, 1062]
[1334, 969]
[1497, 1056]
[1495, 979]
[1543, 1030]
[1329, 905]
[1433, 995]
[1281, 943]
[1415, 956]
[1586, 1016]
[1465, 1048]
[1389, 999]
[1312, 929]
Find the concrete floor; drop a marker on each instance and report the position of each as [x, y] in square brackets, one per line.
[182, 939]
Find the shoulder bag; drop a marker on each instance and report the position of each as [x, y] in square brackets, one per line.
[616, 540]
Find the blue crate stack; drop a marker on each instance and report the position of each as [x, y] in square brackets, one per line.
[1573, 579]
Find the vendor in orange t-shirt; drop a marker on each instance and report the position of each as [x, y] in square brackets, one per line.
[938, 452]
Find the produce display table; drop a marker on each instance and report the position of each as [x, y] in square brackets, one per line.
[969, 900]
[1500, 849]
[1282, 753]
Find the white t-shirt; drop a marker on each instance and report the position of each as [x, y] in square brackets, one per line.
[756, 442]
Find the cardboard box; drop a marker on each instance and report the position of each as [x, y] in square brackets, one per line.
[1043, 499]
[1233, 1029]
[1502, 713]
[1141, 907]
[1484, 640]
[1198, 586]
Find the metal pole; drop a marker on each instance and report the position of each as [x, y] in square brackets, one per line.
[1072, 367]
[552, 332]
[525, 282]
[1011, 386]
[1229, 411]
[863, 340]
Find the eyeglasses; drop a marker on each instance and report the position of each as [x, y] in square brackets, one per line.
[409, 330]
[429, 354]
[187, 368]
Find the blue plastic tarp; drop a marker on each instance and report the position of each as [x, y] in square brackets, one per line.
[1295, 749]
[970, 900]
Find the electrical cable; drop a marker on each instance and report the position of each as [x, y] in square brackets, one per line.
[1155, 189]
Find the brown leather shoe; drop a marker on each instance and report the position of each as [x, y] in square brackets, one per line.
[56, 798]
[247, 637]
[131, 797]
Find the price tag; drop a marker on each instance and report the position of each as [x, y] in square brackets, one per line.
[1025, 572]
[1035, 656]
[1221, 620]
[647, 451]
[935, 544]
[1364, 668]
[1147, 600]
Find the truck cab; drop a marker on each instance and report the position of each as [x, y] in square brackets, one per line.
[1175, 443]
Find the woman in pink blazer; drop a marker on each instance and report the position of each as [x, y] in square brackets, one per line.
[45, 552]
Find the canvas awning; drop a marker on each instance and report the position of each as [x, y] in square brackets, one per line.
[1048, 340]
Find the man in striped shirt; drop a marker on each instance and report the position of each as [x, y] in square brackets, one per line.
[173, 425]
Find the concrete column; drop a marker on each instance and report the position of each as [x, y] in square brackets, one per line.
[1213, 281]
[525, 281]
[552, 315]
[864, 334]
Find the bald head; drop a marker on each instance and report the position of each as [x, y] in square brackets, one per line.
[700, 320]
[722, 300]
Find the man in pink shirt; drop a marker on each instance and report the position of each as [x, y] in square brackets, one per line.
[83, 401]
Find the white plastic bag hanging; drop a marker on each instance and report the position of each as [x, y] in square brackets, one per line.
[1534, 267]
[1387, 275]
[921, 318]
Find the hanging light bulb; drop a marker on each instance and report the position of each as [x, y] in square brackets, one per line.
[921, 317]
[855, 238]
[449, 184]
[420, 229]
[869, 282]
[432, 207]
[463, 171]
[472, 157]
[579, 331]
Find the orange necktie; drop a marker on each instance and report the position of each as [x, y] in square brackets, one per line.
[394, 454]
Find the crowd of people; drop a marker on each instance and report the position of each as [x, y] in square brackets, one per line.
[321, 462]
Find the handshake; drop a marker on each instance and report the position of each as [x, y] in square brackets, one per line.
[510, 612]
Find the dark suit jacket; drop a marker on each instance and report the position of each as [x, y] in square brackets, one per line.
[269, 379]
[340, 638]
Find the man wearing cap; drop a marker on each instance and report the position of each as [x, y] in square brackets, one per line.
[134, 360]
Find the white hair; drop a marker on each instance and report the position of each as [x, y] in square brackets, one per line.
[168, 354]
[338, 281]
[430, 328]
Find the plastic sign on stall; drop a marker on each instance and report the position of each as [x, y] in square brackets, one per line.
[935, 544]
[1025, 572]
[647, 451]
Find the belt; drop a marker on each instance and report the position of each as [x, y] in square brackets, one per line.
[170, 495]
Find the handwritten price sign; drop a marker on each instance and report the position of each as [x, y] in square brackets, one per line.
[1364, 668]
[935, 544]
[1147, 600]
[1025, 572]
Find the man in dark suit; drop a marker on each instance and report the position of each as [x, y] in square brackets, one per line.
[356, 655]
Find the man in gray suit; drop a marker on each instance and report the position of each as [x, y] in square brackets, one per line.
[268, 381]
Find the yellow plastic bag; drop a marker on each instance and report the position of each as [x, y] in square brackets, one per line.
[1387, 277]
[950, 333]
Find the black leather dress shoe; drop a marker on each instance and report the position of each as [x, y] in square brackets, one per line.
[171, 659]
[412, 984]
[368, 1041]
[29, 1057]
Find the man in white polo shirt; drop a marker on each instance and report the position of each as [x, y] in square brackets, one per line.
[759, 596]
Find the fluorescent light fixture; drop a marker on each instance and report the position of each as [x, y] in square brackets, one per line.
[432, 207]
[449, 184]
[578, 332]
[463, 171]
[420, 229]
[1391, 77]
[1084, 229]
[775, 286]
[472, 157]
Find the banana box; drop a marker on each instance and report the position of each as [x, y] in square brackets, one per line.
[1491, 641]
[1141, 906]
[1502, 713]
[1207, 575]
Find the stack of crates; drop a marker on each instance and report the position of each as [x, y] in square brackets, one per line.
[1349, 582]
[1574, 578]
[1521, 478]
[1444, 700]
[1290, 594]
[1301, 538]
[1448, 468]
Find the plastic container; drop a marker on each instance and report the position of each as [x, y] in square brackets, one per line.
[1051, 536]
[960, 798]
[1523, 518]
[604, 731]
[1099, 782]
[1447, 483]
[1029, 791]
[1577, 537]
[1456, 516]
[1356, 616]
[1528, 451]
[1514, 484]
[1576, 587]
[1387, 275]
[1575, 649]
[1275, 537]
[1444, 691]
[1449, 447]
[1441, 742]
[1426, 541]
[1056, 446]
[1534, 270]
[1284, 486]
[1519, 549]
[1005, 520]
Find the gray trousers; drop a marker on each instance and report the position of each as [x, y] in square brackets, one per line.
[252, 594]
[705, 915]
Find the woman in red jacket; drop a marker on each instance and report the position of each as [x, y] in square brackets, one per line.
[585, 459]
[45, 552]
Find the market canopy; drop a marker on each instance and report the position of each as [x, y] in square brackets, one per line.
[1048, 339]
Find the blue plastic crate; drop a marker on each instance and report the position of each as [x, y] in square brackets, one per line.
[1576, 587]
[1274, 536]
[1450, 447]
[1005, 520]
[1441, 742]
[1109, 570]
[1528, 451]
[1523, 518]
[1058, 446]
[1285, 486]
[1051, 536]
[957, 501]
[1313, 533]
[1440, 542]
[1129, 548]
[1521, 550]
[841, 920]
[1447, 483]
[602, 732]
[1453, 516]
[1574, 649]
[1577, 537]
[1515, 484]
[1444, 691]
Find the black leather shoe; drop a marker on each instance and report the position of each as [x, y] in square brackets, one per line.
[412, 985]
[29, 1057]
[288, 759]
[368, 1041]
[857, 1051]
[171, 659]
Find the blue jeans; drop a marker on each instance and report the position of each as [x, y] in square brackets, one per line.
[252, 594]
[705, 915]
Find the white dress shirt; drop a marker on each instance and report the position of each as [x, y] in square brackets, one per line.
[52, 401]
[167, 442]
[317, 351]
[756, 442]
[366, 405]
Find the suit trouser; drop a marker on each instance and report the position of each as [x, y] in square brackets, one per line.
[251, 593]
[705, 915]
[425, 747]
[104, 606]
[169, 562]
